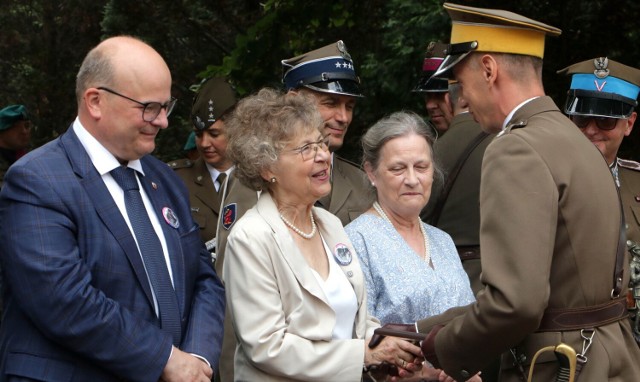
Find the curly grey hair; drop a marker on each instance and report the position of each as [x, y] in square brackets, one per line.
[261, 126]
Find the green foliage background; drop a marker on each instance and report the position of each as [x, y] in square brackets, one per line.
[42, 44]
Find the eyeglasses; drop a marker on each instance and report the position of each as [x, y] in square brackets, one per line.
[150, 110]
[310, 150]
[603, 123]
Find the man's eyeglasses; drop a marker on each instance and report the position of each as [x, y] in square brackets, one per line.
[310, 150]
[150, 110]
[603, 123]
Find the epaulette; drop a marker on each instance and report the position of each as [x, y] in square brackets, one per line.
[347, 161]
[630, 164]
[514, 125]
[180, 163]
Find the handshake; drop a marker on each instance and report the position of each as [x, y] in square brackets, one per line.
[407, 331]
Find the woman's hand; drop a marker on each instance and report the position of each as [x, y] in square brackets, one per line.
[431, 374]
[401, 353]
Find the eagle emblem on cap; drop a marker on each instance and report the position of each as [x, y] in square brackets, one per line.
[342, 48]
[601, 64]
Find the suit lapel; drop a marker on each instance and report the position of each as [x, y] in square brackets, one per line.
[288, 249]
[163, 208]
[105, 206]
[337, 239]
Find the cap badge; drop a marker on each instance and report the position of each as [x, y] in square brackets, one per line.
[342, 254]
[601, 64]
[170, 217]
[343, 50]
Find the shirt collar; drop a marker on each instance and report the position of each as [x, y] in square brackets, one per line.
[101, 158]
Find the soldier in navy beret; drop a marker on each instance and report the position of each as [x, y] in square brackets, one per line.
[601, 101]
[15, 135]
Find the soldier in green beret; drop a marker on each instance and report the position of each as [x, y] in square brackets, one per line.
[601, 101]
[15, 135]
[205, 176]
[190, 150]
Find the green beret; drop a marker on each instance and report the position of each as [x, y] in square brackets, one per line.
[191, 142]
[215, 98]
[12, 114]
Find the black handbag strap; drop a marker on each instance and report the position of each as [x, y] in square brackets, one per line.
[444, 194]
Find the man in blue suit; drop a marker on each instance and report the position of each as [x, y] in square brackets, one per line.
[82, 299]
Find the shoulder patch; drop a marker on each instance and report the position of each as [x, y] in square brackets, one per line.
[513, 125]
[180, 163]
[630, 164]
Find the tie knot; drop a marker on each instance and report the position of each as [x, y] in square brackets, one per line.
[221, 177]
[125, 177]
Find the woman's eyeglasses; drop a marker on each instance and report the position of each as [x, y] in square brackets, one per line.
[310, 150]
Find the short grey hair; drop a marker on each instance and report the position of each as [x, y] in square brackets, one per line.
[396, 125]
[260, 127]
[96, 70]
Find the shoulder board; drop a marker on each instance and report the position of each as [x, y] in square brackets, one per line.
[341, 159]
[630, 164]
[514, 125]
[180, 163]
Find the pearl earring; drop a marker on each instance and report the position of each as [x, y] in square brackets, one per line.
[273, 179]
[373, 184]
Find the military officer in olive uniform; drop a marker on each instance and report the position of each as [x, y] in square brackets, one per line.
[328, 74]
[15, 136]
[205, 176]
[554, 263]
[601, 101]
[454, 206]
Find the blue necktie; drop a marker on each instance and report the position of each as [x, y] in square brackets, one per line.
[151, 251]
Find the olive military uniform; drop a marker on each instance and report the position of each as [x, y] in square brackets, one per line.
[204, 200]
[460, 212]
[550, 249]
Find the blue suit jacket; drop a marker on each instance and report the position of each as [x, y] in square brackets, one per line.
[78, 305]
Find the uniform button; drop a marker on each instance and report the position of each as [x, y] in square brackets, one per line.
[350, 274]
[465, 374]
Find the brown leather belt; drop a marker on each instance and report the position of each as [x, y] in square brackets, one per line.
[557, 320]
[468, 252]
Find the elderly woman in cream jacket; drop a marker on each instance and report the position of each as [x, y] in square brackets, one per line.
[294, 286]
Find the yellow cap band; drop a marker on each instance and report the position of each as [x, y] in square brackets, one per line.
[500, 39]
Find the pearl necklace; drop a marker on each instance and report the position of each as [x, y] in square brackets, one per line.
[298, 230]
[380, 211]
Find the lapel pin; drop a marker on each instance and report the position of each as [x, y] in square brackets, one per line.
[342, 254]
[170, 217]
[154, 185]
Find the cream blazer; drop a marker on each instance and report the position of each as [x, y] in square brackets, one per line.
[282, 320]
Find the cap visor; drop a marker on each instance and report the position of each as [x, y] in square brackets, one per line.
[598, 104]
[343, 87]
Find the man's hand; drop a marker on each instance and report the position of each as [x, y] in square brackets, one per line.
[428, 347]
[376, 339]
[185, 367]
